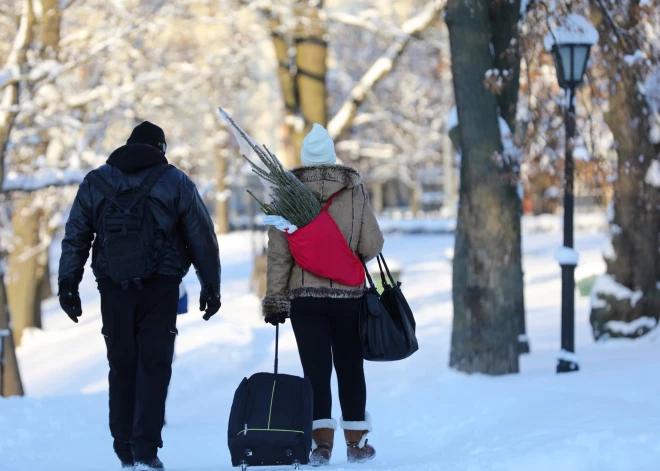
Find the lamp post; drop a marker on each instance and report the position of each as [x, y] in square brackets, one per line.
[570, 45]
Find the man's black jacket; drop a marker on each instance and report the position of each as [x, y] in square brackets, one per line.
[180, 218]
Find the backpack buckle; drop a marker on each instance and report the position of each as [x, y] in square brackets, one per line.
[138, 282]
[124, 285]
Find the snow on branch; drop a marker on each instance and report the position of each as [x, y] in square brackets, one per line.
[653, 174]
[41, 179]
[352, 20]
[49, 71]
[652, 94]
[5, 77]
[383, 65]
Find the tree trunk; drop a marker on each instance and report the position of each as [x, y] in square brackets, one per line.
[288, 85]
[50, 28]
[23, 281]
[486, 283]
[45, 286]
[10, 95]
[448, 177]
[221, 199]
[28, 266]
[416, 193]
[50, 43]
[303, 86]
[377, 197]
[636, 222]
[311, 52]
[504, 26]
[10, 376]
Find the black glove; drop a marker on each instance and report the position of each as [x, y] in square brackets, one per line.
[276, 318]
[209, 302]
[70, 299]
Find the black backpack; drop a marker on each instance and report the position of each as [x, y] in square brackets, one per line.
[126, 230]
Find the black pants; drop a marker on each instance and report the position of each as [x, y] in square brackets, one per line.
[327, 330]
[139, 326]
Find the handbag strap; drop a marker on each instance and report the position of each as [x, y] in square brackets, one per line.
[332, 198]
[366, 271]
[387, 269]
[382, 273]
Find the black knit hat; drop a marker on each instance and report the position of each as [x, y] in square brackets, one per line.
[148, 133]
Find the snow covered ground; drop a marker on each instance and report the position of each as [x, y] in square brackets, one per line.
[426, 416]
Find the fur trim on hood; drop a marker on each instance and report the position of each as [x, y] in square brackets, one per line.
[327, 180]
[348, 177]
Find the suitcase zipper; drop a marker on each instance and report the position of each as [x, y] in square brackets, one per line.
[244, 432]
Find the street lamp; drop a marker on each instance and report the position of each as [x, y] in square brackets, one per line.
[570, 45]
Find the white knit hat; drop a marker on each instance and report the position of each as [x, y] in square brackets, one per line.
[318, 148]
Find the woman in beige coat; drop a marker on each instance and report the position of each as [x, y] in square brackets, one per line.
[324, 314]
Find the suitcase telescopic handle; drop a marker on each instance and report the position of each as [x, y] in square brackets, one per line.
[277, 344]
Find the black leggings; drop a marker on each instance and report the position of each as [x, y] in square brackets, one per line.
[327, 330]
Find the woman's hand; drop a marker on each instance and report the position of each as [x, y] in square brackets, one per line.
[276, 318]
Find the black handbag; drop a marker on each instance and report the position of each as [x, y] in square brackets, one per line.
[387, 325]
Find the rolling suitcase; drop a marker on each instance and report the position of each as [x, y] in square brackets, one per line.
[270, 422]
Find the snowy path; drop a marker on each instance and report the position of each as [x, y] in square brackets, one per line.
[426, 416]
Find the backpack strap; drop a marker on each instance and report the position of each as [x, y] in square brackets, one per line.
[152, 178]
[148, 183]
[103, 186]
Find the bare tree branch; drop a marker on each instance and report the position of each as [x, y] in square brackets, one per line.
[383, 65]
[71, 65]
[615, 27]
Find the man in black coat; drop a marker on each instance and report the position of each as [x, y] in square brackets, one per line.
[152, 248]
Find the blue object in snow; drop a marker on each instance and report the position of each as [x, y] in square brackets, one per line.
[183, 300]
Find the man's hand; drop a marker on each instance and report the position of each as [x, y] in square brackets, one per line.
[209, 302]
[70, 300]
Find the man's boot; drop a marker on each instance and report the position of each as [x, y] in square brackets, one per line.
[153, 464]
[356, 433]
[124, 453]
[323, 438]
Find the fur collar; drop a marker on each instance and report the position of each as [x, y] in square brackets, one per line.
[347, 176]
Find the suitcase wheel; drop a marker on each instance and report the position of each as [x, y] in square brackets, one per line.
[244, 466]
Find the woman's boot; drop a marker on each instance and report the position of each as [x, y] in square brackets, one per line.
[356, 433]
[323, 437]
